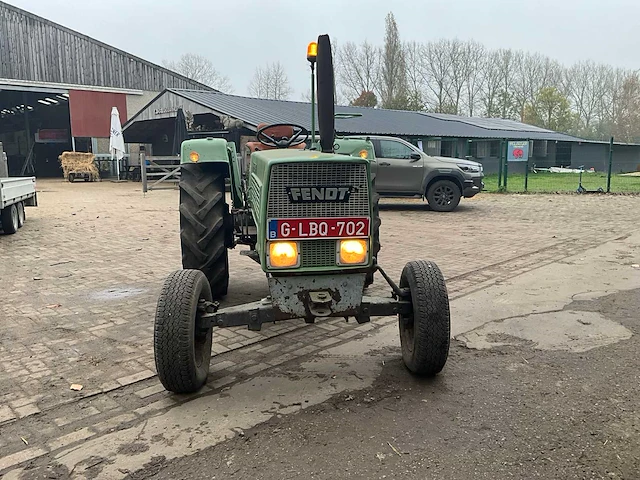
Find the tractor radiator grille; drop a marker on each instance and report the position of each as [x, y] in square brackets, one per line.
[318, 174]
[253, 194]
[318, 253]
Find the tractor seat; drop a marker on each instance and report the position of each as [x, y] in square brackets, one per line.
[282, 131]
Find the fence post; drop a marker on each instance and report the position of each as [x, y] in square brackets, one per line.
[506, 163]
[610, 165]
[143, 171]
[526, 170]
[500, 165]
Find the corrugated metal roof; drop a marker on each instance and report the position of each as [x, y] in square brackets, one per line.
[373, 121]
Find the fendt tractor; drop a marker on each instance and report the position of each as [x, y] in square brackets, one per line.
[309, 214]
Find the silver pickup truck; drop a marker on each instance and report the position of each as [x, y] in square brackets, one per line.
[403, 170]
[15, 194]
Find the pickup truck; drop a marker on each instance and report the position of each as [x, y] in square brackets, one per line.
[15, 194]
[403, 170]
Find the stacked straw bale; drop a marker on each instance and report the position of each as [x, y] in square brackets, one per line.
[78, 163]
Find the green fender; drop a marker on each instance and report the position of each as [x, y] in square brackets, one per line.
[215, 150]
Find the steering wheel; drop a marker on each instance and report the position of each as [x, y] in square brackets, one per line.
[276, 141]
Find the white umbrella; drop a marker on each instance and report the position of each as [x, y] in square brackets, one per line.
[116, 141]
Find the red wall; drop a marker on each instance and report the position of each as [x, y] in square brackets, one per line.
[91, 112]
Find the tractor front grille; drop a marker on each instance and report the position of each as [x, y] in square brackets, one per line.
[318, 253]
[318, 174]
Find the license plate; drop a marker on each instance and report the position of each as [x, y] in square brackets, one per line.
[305, 228]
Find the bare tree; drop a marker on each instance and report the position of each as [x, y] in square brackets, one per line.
[358, 68]
[507, 61]
[492, 85]
[436, 74]
[627, 119]
[200, 69]
[393, 85]
[475, 60]
[585, 84]
[270, 81]
[415, 80]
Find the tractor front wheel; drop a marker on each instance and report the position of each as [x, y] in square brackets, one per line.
[182, 347]
[424, 334]
[203, 210]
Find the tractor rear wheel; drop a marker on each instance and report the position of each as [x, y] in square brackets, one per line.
[424, 335]
[182, 348]
[375, 226]
[203, 236]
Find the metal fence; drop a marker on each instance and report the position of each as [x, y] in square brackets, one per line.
[578, 179]
[159, 172]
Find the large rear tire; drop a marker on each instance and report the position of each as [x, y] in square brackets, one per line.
[203, 211]
[9, 219]
[182, 350]
[424, 335]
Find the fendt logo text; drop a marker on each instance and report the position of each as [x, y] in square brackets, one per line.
[319, 194]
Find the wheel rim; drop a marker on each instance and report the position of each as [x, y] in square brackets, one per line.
[443, 195]
[407, 332]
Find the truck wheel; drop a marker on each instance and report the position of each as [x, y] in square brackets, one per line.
[9, 219]
[424, 335]
[71, 177]
[182, 350]
[376, 222]
[443, 196]
[202, 226]
[21, 214]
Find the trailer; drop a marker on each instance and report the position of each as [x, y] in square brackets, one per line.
[15, 194]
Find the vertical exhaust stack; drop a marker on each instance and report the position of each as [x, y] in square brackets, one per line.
[326, 94]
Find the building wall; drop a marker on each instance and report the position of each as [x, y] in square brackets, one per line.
[36, 49]
[626, 158]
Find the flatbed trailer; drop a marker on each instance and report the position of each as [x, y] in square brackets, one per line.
[15, 194]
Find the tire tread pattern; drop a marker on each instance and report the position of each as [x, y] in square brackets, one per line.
[202, 227]
[432, 320]
[174, 332]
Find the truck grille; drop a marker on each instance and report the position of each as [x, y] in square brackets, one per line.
[309, 174]
[318, 253]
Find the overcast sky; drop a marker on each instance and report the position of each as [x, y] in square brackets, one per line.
[238, 35]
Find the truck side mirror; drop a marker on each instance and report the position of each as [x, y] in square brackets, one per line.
[415, 157]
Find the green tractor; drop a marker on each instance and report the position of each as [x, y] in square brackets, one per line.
[310, 218]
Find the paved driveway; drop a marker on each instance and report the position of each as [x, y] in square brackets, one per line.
[81, 279]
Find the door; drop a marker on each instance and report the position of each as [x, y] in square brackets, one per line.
[398, 172]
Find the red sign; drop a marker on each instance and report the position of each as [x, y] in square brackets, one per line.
[52, 135]
[307, 228]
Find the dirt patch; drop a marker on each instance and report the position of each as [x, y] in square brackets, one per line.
[509, 412]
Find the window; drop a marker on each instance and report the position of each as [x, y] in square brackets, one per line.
[473, 149]
[391, 149]
[494, 149]
[481, 151]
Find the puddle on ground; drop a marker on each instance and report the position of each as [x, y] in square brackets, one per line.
[116, 293]
[566, 330]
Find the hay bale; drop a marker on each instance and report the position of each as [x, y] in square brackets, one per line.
[78, 163]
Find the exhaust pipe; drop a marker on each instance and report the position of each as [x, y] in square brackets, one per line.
[326, 94]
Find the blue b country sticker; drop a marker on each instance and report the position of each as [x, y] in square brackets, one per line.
[273, 229]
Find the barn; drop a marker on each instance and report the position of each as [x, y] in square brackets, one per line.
[57, 89]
